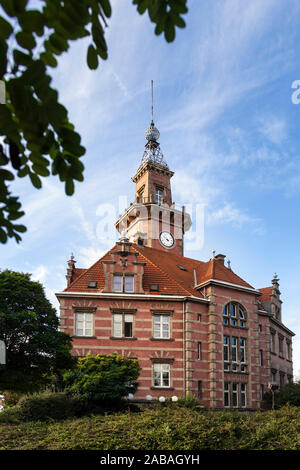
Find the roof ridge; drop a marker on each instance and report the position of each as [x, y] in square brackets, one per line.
[157, 267]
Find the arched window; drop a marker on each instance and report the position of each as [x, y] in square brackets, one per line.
[234, 315]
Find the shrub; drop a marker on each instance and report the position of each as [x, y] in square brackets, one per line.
[103, 379]
[190, 401]
[48, 405]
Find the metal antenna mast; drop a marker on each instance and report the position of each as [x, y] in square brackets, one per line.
[152, 99]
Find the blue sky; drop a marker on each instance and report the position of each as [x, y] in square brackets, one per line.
[229, 130]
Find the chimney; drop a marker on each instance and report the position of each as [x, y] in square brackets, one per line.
[220, 258]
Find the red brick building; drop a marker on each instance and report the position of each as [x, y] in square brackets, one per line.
[194, 326]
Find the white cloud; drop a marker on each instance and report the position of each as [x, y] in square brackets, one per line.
[236, 217]
[274, 128]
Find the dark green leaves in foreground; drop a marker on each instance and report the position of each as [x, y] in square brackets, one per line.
[37, 139]
[166, 14]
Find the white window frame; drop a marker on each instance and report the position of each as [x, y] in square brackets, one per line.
[159, 369]
[121, 317]
[199, 350]
[243, 394]
[227, 394]
[158, 196]
[123, 282]
[87, 319]
[163, 320]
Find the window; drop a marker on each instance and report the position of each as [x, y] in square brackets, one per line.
[226, 348]
[92, 284]
[199, 351]
[273, 376]
[262, 391]
[226, 395]
[122, 325]
[242, 350]
[234, 315]
[199, 389]
[280, 346]
[158, 196]
[181, 267]
[234, 351]
[161, 328]
[199, 317]
[235, 395]
[243, 396]
[123, 283]
[161, 375]
[282, 379]
[83, 324]
[288, 350]
[272, 342]
[154, 287]
[261, 359]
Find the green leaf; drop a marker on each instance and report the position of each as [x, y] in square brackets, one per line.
[9, 7]
[6, 175]
[92, 57]
[69, 187]
[48, 59]
[35, 180]
[20, 228]
[26, 40]
[105, 4]
[3, 236]
[169, 30]
[32, 20]
[21, 58]
[3, 58]
[5, 28]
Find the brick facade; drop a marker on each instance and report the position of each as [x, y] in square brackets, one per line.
[195, 327]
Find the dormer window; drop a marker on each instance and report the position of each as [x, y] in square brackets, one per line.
[92, 284]
[123, 283]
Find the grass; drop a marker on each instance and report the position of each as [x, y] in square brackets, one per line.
[162, 428]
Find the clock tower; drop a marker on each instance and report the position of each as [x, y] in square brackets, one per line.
[153, 220]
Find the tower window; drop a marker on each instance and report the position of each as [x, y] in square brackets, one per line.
[158, 196]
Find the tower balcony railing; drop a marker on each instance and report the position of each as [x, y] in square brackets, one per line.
[152, 200]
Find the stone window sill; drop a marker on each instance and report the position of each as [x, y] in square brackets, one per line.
[85, 337]
[123, 338]
[162, 339]
[162, 388]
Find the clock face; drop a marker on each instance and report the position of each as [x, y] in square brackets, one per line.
[166, 239]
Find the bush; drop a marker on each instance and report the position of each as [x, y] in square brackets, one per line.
[49, 405]
[190, 401]
[103, 379]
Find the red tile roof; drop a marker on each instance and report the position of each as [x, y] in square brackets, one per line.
[266, 294]
[162, 268]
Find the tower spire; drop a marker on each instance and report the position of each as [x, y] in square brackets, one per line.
[152, 121]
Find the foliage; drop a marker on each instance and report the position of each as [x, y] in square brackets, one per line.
[190, 401]
[104, 378]
[290, 393]
[165, 428]
[48, 405]
[39, 138]
[29, 328]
